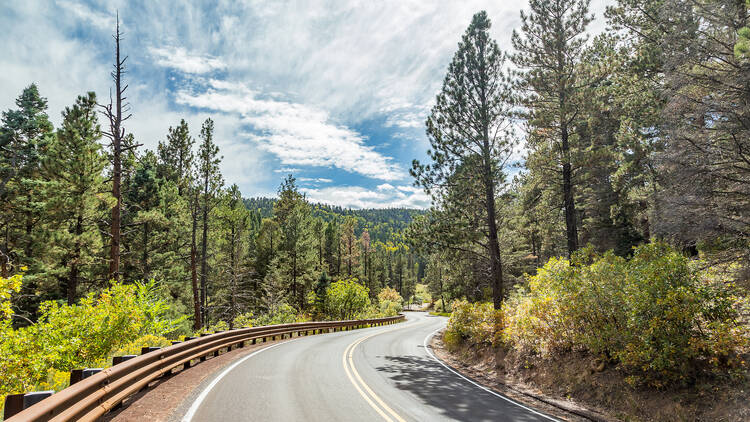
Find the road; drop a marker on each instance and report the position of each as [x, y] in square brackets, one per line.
[374, 374]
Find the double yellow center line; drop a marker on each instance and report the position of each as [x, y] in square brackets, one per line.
[364, 390]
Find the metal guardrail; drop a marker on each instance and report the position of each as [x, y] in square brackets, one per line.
[92, 397]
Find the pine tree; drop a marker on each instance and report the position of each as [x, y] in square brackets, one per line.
[23, 137]
[365, 248]
[177, 166]
[706, 198]
[548, 50]
[231, 235]
[295, 262]
[176, 155]
[211, 181]
[75, 192]
[349, 245]
[469, 128]
[331, 247]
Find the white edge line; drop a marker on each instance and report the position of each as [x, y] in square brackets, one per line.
[198, 401]
[427, 348]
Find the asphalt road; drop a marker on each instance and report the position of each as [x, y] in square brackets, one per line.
[374, 374]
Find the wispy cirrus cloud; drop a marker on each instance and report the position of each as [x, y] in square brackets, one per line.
[340, 89]
[188, 62]
[297, 134]
[100, 20]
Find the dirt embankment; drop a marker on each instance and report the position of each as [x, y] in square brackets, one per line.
[591, 389]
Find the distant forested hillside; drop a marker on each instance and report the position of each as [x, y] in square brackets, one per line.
[381, 223]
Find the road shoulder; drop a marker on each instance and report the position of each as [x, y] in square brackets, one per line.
[522, 394]
[168, 398]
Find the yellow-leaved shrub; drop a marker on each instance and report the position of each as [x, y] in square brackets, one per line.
[655, 314]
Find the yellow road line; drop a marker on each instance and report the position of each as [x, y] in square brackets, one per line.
[348, 355]
[362, 393]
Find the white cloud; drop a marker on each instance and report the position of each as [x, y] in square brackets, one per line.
[315, 180]
[299, 135]
[101, 21]
[318, 69]
[385, 196]
[179, 58]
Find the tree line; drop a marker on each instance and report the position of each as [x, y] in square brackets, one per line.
[85, 205]
[637, 134]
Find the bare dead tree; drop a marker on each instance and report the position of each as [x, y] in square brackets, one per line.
[114, 112]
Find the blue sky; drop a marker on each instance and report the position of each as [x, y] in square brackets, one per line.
[335, 92]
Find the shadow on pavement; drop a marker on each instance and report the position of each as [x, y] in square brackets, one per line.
[453, 396]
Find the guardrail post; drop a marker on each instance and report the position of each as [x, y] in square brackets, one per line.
[203, 358]
[77, 375]
[148, 349]
[186, 365]
[15, 403]
[120, 359]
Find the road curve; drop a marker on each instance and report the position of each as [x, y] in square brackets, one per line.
[374, 374]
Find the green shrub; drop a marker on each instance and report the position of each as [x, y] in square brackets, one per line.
[475, 323]
[390, 303]
[654, 314]
[346, 299]
[389, 308]
[210, 329]
[421, 294]
[135, 346]
[281, 314]
[243, 320]
[439, 306]
[75, 336]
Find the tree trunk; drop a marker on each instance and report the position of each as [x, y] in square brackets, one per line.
[496, 266]
[233, 291]
[571, 229]
[73, 279]
[294, 277]
[197, 297]
[204, 253]
[116, 134]
[144, 265]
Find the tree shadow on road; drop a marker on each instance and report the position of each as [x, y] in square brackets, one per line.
[454, 397]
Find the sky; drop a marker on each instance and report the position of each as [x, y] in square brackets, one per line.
[334, 92]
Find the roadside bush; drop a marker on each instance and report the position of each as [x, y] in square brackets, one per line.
[210, 329]
[390, 294]
[134, 347]
[389, 303]
[346, 299]
[281, 314]
[439, 306]
[388, 308]
[654, 314]
[243, 320]
[474, 323]
[421, 294]
[75, 336]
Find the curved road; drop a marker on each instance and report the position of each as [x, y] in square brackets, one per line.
[374, 374]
